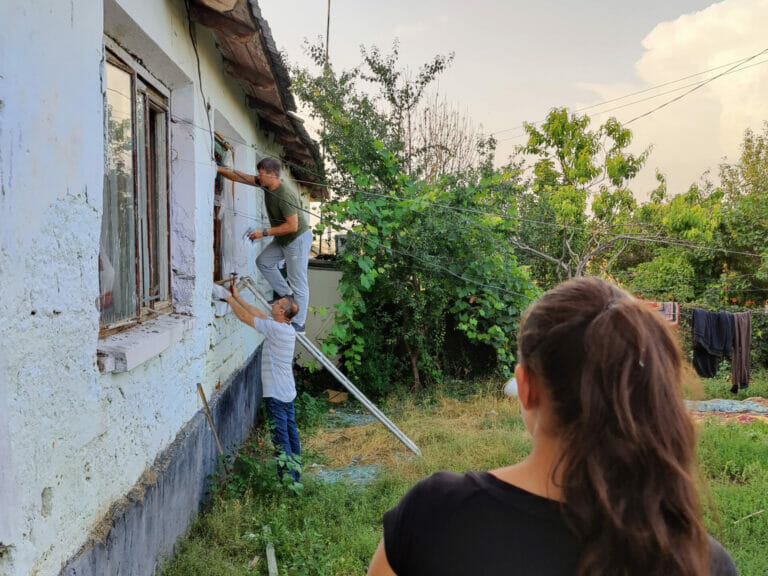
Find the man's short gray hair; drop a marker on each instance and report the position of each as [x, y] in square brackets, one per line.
[269, 164]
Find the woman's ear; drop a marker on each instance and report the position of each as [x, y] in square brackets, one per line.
[526, 388]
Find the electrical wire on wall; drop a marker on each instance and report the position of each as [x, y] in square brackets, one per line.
[391, 197]
[206, 108]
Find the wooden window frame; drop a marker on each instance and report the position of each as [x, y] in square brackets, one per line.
[156, 99]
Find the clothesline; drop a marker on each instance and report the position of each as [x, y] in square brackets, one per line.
[689, 310]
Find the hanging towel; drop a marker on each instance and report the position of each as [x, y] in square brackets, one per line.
[712, 338]
[671, 311]
[742, 344]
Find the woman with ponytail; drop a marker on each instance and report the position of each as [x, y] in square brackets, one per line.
[608, 488]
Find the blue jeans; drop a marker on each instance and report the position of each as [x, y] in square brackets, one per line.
[285, 435]
[296, 257]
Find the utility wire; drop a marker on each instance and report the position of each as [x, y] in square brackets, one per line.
[429, 263]
[644, 236]
[700, 85]
[193, 39]
[638, 92]
[503, 217]
[384, 246]
[633, 103]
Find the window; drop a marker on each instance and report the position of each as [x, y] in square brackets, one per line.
[223, 214]
[134, 258]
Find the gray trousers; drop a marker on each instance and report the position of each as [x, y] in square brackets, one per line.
[296, 256]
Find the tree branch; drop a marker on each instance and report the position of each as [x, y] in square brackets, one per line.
[542, 255]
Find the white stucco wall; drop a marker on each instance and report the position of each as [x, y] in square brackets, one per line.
[74, 440]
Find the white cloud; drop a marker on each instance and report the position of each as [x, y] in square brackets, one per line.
[694, 134]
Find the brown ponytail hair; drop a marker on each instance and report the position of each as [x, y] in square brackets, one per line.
[613, 371]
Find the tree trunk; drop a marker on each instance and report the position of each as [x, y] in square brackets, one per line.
[415, 372]
[414, 358]
[409, 142]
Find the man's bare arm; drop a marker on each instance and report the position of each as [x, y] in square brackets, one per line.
[237, 176]
[249, 308]
[242, 314]
[290, 226]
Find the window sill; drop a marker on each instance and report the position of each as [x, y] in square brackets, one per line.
[125, 351]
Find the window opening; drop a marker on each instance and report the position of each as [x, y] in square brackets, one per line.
[223, 213]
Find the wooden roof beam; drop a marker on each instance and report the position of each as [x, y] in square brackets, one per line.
[250, 75]
[264, 107]
[218, 5]
[276, 129]
[302, 157]
[217, 21]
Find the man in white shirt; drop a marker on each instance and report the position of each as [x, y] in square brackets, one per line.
[278, 385]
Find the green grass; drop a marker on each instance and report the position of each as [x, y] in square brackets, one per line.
[332, 530]
[720, 386]
[734, 461]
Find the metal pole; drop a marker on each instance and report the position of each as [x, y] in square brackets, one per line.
[343, 380]
[327, 35]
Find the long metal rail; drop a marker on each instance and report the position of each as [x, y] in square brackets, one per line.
[343, 380]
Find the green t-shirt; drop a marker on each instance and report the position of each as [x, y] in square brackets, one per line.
[281, 203]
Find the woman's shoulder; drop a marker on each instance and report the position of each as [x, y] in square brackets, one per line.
[452, 488]
[721, 563]
[451, 482]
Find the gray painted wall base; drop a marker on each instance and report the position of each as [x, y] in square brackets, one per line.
[142, 528]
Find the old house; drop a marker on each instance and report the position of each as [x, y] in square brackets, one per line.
[113, 227]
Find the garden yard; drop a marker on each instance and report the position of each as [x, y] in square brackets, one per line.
[332, 529]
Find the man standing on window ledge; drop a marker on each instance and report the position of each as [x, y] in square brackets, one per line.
[278, 385]
[293, 238]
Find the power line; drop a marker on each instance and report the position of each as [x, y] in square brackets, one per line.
[388, 248]
[553, 225]
[633, 103]
[640, 237]
[638, 92]
[193, 39]
[668, 241]
[400, 252]
[701, 85]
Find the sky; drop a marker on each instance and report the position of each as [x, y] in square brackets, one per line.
[515, 60]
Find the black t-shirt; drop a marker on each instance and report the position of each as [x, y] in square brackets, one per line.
[478, 525]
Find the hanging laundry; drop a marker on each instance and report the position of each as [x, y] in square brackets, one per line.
[712, 338]
[670, 310]
[742, 344]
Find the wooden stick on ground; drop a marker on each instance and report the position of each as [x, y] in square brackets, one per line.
[210, 420]
[271, 558]
[749, 516]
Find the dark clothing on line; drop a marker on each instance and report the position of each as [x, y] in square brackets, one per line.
[477, 525]
[712, 339]
[742, 343]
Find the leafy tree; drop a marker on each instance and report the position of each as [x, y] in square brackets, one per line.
[423, 261]
[681, 265]
[745, 216]
[576, 210]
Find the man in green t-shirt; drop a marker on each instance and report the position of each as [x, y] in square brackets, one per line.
[293, 238]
